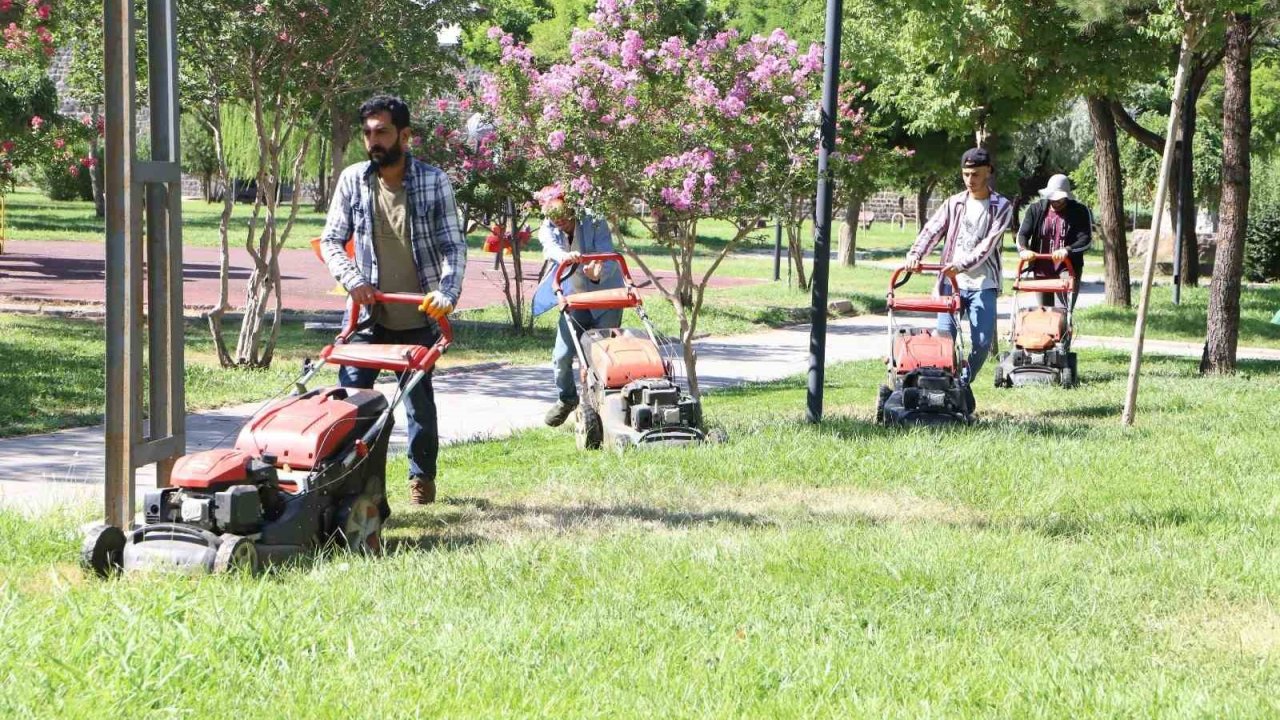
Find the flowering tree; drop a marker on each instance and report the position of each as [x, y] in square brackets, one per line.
[491, 175]
[29, 125]
[684, 130]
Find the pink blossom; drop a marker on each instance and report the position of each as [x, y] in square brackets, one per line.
[556, 140]
[259, 9]
[630, 101]
[442, 105]
[464, 104]
[89, 162]
[709, 180]
[36, 122]
[581, 185]
[627, 122]
[42, 12]
[632, 49]
[73, 170]
[6, 5]
[59, 143]
[7, 147]
[494, 32]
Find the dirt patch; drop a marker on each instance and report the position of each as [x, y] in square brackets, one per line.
[562, 511]
[1248, 629]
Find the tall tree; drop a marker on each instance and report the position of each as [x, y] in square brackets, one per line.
[1224, 293]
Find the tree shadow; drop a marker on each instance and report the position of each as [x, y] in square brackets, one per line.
[1088, 411]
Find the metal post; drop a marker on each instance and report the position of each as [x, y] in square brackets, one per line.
[777, 250]
[822, 212]
[126, 181]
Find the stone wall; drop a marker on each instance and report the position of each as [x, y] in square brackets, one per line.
[886, 204]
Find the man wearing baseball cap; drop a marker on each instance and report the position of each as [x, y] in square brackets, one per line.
[971, 226]
[1056, 225]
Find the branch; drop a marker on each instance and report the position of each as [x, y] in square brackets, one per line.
[1126, 122]
[645, 267]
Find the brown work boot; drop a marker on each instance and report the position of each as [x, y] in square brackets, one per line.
[559, 413]
[422, 491]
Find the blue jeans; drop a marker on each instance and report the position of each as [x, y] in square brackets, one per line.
[419, 404]
[562, 356]
[979, 306]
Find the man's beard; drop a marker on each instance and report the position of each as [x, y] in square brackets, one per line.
[386, 157]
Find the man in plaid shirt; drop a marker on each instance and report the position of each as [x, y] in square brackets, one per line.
[970, 226]
[404, 220]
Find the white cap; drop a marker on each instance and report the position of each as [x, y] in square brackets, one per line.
[1059, 187]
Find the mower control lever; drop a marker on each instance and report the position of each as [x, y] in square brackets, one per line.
[1024, 262]
[353, 314]
[566, 267]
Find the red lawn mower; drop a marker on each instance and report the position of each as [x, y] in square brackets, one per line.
[306, 471]
[1041, 336]
[923, 385]
[629, 392]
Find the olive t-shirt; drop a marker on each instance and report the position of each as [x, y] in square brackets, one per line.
[397, 272]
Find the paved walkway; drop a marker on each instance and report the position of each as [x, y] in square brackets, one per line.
[46, 471]
[74, 272]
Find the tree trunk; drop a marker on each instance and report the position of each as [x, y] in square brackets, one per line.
[1237, 123]
[848, 245]
[795, 253]
[923, 193]
[339, 137]
[1190, 271]
[322, 184]
[1106, 158]
[95, 173]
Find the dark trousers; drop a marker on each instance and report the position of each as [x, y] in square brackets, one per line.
[420, 404]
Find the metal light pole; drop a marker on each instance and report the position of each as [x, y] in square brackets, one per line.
[822, 240]
[777, 250]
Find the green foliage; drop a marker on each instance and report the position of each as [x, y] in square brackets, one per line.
[60, 181]
[958, 66]
[240, 138]
[803, 20]
[1262, 242]
[199, 156]
[515, 17]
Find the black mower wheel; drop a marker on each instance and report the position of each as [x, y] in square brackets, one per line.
[1067, 376]
[360, 524]
[881, 399]
[103, 550]
[999, 373]
[590, 429]
[236, 554]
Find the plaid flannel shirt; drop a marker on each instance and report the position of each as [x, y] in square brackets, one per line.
[945, 226]
[435, 233]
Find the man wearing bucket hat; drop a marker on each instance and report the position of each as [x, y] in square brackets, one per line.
[567, 234]
[1056, 225]
[970, 226]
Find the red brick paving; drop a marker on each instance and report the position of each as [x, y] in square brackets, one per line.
[74, 272]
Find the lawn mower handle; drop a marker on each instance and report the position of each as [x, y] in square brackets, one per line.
[353, 314]
[1023, 262]
[939, 268]
[566, 268]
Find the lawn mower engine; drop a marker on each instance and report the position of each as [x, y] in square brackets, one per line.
[1041, 350]
[630, 398]
[923, 386]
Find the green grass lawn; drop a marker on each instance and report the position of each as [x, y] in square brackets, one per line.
[54, 367]
[1187, 321]
[1044, 563]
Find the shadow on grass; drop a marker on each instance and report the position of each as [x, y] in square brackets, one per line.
[847, 427]
[1088, 411]
[457, 513]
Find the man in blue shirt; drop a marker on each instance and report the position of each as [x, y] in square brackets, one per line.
[567, 235]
